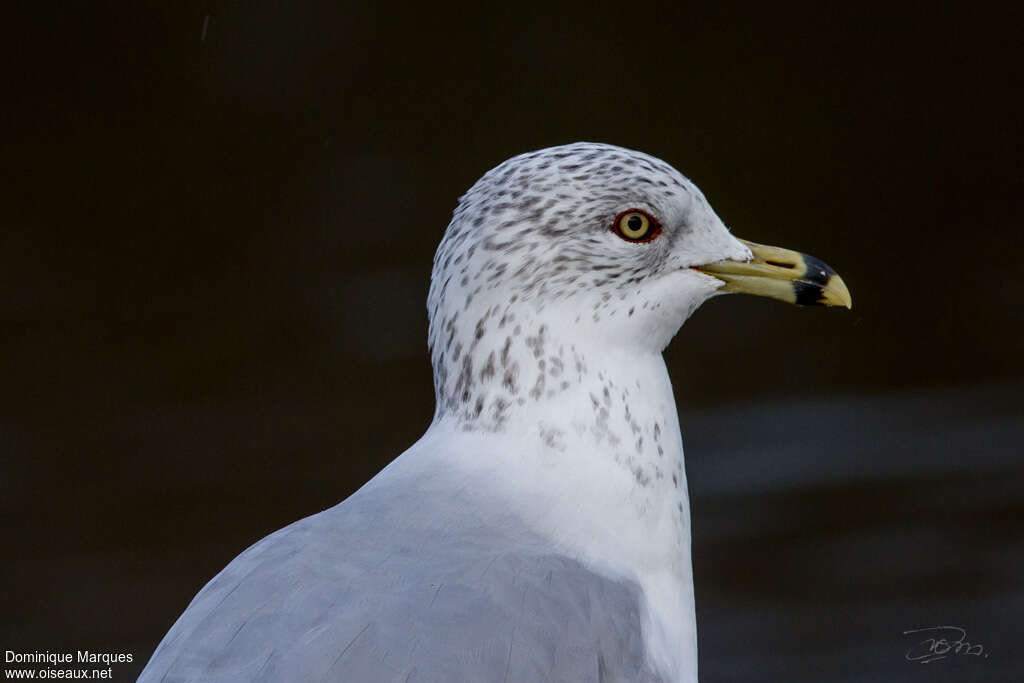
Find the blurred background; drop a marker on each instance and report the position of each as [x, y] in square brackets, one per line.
[220, 219]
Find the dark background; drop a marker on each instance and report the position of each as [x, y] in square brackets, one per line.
[217, 247]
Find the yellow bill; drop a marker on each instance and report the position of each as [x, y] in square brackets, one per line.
[784, 275]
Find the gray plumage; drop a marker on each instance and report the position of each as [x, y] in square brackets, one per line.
[539, 530]
[391, 586]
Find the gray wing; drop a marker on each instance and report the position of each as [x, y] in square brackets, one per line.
[361, 592]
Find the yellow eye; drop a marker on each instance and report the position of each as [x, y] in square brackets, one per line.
[635, 225]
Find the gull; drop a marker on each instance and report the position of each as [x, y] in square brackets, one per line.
[540, 529]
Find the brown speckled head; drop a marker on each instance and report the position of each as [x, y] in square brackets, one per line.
[589, 235]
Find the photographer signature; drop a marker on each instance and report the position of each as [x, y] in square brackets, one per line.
[942, 642]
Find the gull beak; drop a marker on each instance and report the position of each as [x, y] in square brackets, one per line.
[782, 274]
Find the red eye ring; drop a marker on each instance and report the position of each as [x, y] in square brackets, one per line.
[636, 225]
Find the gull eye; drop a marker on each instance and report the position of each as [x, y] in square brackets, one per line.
[635, 225]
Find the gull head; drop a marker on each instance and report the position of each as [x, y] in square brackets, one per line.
[601, 244]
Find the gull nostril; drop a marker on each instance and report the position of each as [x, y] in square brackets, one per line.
[780, 264]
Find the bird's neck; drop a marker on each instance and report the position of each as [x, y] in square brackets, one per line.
[581, 440]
